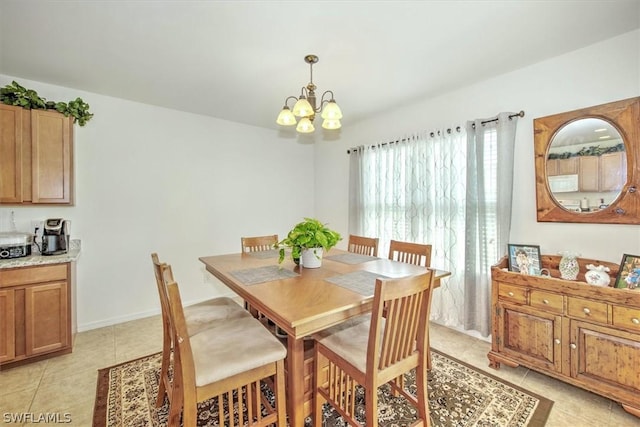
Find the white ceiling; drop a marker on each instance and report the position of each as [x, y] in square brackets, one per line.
[239, 60]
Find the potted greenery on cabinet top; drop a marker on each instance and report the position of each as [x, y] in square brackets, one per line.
[308, 240]
[15, 94]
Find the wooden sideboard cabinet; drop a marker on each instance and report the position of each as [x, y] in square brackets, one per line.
[36, 156]
[37, 319]
[582, 334]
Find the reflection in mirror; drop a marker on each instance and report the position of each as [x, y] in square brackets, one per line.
[586, 165]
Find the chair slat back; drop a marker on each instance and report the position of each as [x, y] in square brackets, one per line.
[363, 245]
[258, 243]
[163, 275]
[399, 324]
[159, 270]
[183, 365]
[410, 253]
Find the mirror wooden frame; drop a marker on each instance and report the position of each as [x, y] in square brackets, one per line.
[624, 115]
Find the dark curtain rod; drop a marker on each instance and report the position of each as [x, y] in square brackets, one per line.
[432, 134]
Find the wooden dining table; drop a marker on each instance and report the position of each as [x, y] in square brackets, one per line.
[302, 301]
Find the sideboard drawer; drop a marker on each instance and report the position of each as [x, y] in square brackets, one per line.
[587, 309]
[626, 317]
[547, 301]
[515, 294]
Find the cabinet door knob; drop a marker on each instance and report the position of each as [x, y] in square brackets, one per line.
[573, 346]
[510, 294]
[586, 310]
[545, 301]
[635, 321]
[557, 340]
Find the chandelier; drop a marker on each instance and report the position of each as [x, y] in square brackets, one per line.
[305, 107]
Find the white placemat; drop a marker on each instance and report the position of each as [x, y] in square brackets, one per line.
[351, 258]
[362, 282]
[252, 276]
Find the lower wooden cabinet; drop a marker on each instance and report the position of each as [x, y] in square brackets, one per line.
[7, 329]
[46, 318]
[530, 335]
[36, 318]
[582, 334]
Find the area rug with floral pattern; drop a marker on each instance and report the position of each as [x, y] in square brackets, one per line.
[460, 395]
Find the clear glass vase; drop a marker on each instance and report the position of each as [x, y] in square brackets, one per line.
[569, 266]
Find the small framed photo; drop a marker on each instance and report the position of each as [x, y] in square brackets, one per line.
[524, 259]
[629, 273]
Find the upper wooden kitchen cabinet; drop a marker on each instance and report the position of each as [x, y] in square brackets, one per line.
[36, 156]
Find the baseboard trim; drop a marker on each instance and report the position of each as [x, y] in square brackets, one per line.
[134, 316]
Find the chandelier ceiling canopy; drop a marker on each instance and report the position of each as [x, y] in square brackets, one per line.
[305, 106]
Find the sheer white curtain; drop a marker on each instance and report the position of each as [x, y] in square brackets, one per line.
[490, 146]
[414, 190]
[450, 188]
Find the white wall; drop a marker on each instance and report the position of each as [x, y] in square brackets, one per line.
[152, 179]
[604, 72]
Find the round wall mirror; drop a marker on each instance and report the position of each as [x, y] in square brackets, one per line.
[586, 165]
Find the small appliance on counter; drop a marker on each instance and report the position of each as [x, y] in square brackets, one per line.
[55, 237]
[15, 244]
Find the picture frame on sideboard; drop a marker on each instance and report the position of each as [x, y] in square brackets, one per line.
[629, 272]
[524, 259]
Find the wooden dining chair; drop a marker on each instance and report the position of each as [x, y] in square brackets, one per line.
[231, 362]
[413, 253]
[198, 317]
[363, 245]
[410, 253]
[374, 349]
[258, 243]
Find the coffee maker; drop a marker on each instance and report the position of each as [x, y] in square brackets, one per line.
[55, 237]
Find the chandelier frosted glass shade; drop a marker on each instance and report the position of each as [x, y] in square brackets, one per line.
[331, 124]
[302, 108]
[331, 111]
[286, 117]
[305, 126]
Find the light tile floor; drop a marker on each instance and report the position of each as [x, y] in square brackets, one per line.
[67, 384]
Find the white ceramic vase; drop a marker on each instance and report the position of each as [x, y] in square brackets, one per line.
[569, 266]
[311, 258]
[597, 275]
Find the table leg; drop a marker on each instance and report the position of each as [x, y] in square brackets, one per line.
[295, 381]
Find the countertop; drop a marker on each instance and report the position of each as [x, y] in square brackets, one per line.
[37, 259]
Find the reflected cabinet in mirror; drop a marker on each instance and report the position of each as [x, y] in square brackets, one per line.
[587, 166]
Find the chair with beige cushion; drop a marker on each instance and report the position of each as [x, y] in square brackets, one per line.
[231, 361]
[374, 349]
[410, 253]
[198, 317]
[363, 245]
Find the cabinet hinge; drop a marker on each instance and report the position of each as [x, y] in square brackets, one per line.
[497, 311]
[498, 340]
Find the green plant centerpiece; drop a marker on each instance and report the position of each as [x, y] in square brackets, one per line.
[309, 234]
